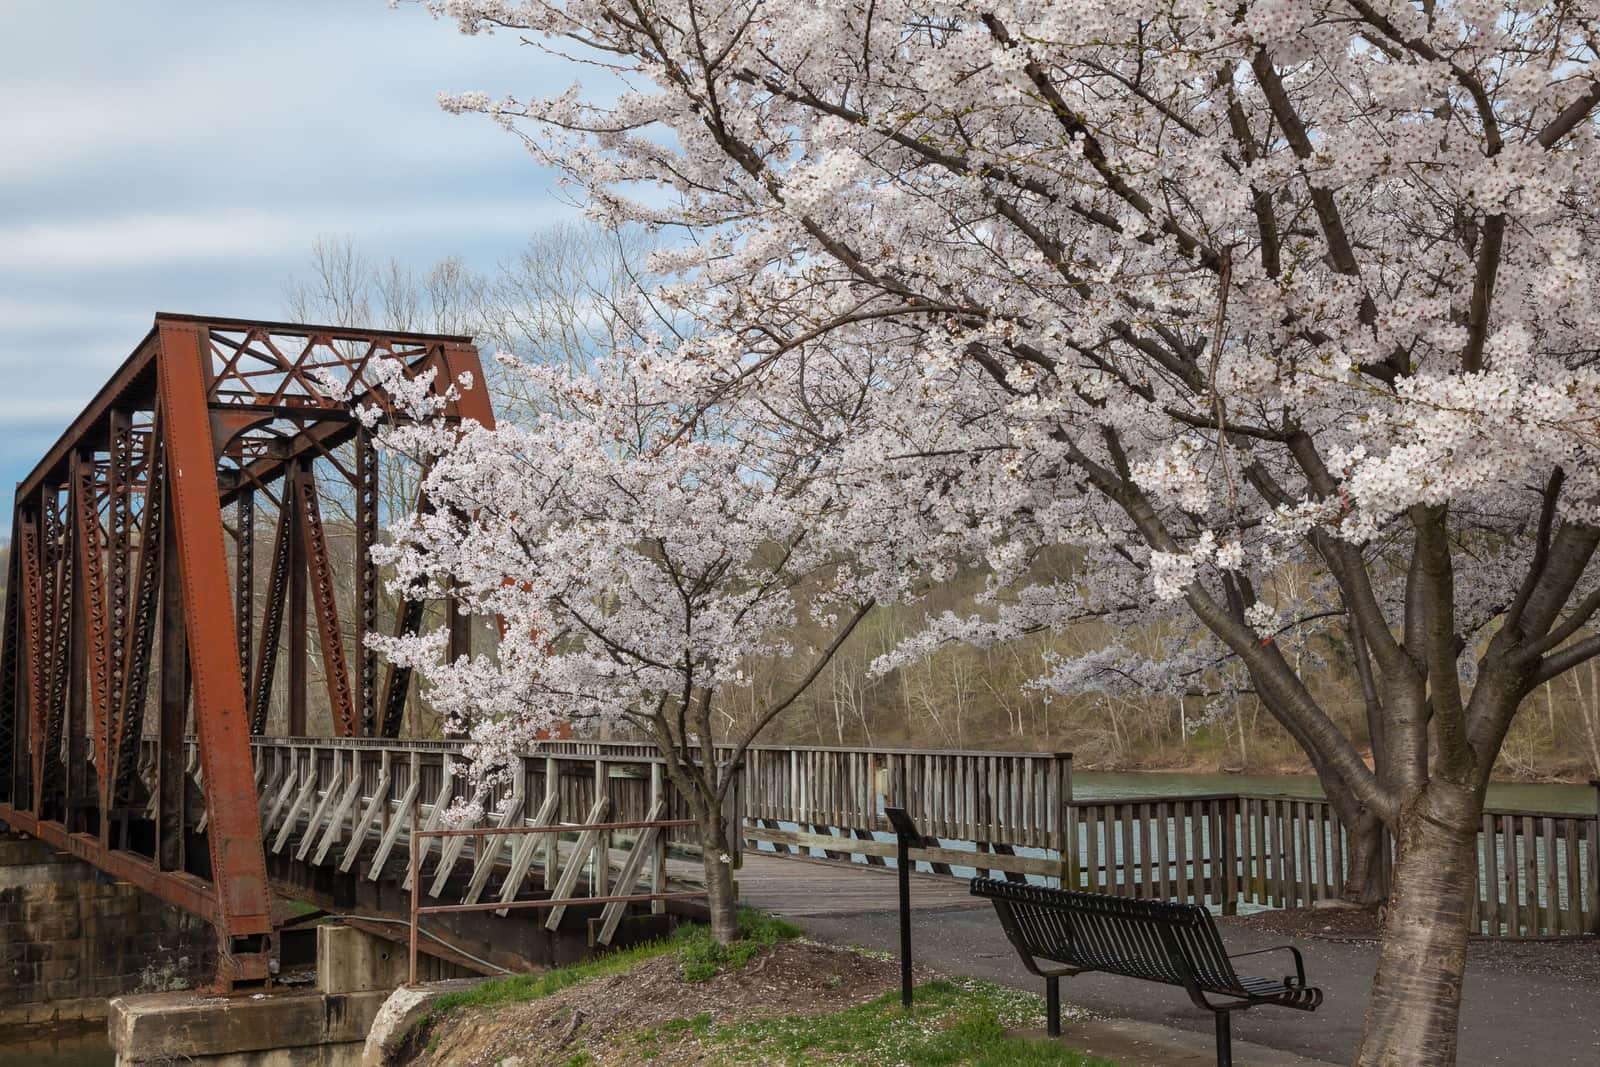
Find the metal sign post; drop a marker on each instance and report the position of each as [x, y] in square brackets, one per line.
[905, 835]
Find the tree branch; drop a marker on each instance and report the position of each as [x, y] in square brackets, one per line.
[800, 687]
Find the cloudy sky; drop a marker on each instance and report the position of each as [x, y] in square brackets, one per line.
[183, 155]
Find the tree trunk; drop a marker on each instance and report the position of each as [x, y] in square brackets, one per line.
[717, 858]
[1364, 882]
[1416, 995]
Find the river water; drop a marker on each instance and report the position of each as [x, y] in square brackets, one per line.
[74, 1048]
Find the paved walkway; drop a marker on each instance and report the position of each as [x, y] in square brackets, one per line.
[1507, 1018]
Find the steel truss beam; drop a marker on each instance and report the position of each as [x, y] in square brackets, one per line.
[272, 620]
[91, 565]
[244, 578]
[57, 601]
[13, 735]
[129, 720]
[238, 864]
[120, 552]
[366, 522]
[314, 544]
[30, 609]
[397, 687]
[119, 515]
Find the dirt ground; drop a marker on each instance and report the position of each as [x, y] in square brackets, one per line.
[1577, 960]
[602, 1022]
[793, 977]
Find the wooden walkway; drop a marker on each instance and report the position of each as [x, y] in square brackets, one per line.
[795, 887]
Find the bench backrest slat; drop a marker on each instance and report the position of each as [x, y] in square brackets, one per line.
[1154, 940]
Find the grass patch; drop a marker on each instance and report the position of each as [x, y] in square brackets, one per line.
[703, 957]
[952, 1024]
[959, 1023]
[700, 1025]
[701, 954]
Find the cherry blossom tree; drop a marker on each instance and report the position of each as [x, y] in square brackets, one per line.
[1202, 290]
[636, 552]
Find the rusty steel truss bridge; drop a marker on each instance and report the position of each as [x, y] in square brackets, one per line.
[139, 610]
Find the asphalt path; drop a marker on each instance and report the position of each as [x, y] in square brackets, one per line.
[1508, 1017]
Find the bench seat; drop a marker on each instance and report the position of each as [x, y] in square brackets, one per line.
[1151, 940]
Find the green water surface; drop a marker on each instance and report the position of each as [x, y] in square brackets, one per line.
[1098, 785]
[61, 1048]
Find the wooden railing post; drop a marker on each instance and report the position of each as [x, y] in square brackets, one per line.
[1594, 863]
[1066, 821]
[411, 970]
[733, 813]
[552, 788]
[600, 857]
[899, 793]
[1230, 855]
[880, 788]
[658, 859]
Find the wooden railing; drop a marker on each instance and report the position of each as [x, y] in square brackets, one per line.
[985, 804]
[1538, 874]
[1166, 848]
[357, 806]
[977, 808]
[1014, 813]
[1010, 814]
[1223, 849]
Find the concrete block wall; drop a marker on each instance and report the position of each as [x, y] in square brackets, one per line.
[71, 939]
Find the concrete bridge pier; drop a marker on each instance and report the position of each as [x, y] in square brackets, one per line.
[71, 938]
[324, 1026]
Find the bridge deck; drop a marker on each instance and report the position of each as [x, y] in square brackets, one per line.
[798, 887]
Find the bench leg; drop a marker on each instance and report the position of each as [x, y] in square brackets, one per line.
[1224, 1039]
[1052, 1006]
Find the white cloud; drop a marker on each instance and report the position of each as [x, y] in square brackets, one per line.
[23, 316]
[53, 127]
[49, 410]
[194, 85]
[242, 235]
[183, 156]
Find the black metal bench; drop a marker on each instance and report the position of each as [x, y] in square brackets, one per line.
[1158, 941]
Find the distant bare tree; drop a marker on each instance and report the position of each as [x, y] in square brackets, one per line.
[570, 295]
[573, 293]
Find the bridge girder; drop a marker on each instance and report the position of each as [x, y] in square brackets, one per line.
[120, 556]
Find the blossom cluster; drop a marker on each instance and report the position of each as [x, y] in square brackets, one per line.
[1201, 297]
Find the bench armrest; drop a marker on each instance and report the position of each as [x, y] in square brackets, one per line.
[1299, 978]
